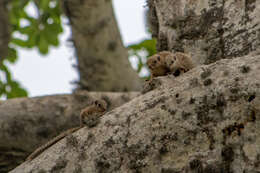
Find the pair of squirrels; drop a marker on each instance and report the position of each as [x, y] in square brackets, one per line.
[166, 62]
[160, 64]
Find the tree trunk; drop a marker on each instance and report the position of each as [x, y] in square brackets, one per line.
[102, 60]
[27, 123]
[209, 30]
[4, 30]
[207, 120]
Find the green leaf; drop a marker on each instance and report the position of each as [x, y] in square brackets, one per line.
[27, 30]
[23, 3]
[19, 42]
[6, 72]
[14, 20]
[12, 55]
[44, 4]
[43, 45]
[56, 19]
[56, 11]
[31, 42]
[2, 88]
[148, 45]
[33, 21]
[55, 28]
[51, 37]
[140, 64]
[16, 90]
[44, 17]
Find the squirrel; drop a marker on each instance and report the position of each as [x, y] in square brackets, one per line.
[166, 62]
[98, 107]
[179, 63]
[157, 64]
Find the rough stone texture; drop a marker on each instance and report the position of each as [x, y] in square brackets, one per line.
[208, 29]
[207, 120]
[27, 123]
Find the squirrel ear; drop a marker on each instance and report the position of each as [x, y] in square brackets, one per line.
[158, 57]
[95, 102]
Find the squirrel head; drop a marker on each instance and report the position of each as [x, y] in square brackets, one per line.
[101, 105]
[158, 60]
[153, 61]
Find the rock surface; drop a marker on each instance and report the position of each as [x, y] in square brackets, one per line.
[207, 120]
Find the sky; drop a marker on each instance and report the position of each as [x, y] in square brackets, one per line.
[39, 75]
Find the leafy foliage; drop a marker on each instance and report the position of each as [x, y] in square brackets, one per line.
[42, 30]
[38, 31]
[141, 51]
[9, 87]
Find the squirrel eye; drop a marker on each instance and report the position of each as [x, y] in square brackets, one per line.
[172, 62]
[154, 61]
[99, 105]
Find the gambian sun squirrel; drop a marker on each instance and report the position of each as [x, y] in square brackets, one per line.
[98, 107]
[166, 62]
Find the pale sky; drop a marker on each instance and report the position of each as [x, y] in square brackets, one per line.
[53, 74]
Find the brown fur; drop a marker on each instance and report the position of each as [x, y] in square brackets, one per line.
[166, 62]
[99, 106]
[182, 62]
[157, 64]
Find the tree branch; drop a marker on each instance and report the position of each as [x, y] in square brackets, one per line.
[206, 119]
[26, 123]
